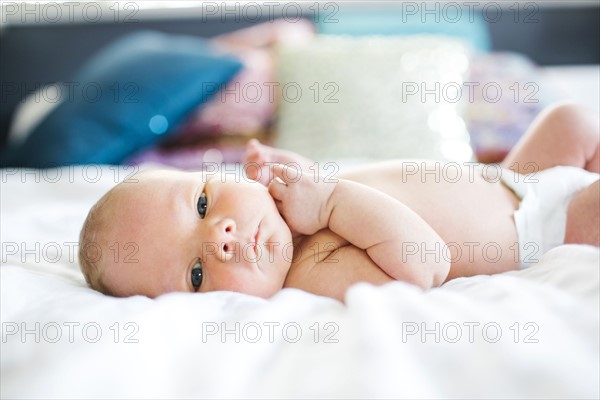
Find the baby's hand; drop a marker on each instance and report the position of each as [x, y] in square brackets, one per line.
[259, 157]
[301, 198]
[255, 161]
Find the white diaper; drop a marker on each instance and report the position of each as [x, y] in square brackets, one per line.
[542, 215]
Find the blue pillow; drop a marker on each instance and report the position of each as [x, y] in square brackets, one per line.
[127, 97]
[412, 19]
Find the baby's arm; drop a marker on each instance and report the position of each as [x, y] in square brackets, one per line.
[398, 240]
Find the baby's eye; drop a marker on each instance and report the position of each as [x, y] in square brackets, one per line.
[197, 275]
[202, 205]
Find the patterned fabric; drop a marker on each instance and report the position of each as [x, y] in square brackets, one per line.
[496, 120]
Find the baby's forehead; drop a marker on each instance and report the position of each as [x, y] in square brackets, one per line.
[170, 175]
[148, 190]
[144, 182]
[157, 186]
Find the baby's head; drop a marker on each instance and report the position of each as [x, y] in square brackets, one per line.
[171, 231]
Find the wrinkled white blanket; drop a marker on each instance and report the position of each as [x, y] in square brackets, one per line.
[522, 334]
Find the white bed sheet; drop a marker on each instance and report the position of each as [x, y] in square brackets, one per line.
[372, 350]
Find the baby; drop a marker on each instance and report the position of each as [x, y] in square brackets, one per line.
[283, 225]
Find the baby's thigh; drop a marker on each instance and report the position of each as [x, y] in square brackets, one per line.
[583, 216]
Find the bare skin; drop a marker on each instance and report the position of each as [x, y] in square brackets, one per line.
[329, 263]
[394, 220]
[566, 134]
[454, 208]
[358, 233]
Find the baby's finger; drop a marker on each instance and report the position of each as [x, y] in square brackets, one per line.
[253, 144]
[253, 170]
[286, 173]
[277, 188]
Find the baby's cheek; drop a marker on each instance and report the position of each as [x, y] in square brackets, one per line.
[228, 278]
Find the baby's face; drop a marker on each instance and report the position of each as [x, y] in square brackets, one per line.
[188, 232]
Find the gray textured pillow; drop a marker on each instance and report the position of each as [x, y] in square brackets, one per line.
[356, 99]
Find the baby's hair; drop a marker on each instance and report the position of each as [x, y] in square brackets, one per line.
[95, 223]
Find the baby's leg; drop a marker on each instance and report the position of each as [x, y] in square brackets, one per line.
[565, 134]
[258, 156]
[583, 216]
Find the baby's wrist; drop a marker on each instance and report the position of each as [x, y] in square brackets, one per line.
[328, 203]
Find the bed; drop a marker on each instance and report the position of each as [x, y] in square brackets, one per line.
[533, 333]
[522, 334]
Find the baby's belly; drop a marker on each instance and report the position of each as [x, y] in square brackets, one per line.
[472, 215]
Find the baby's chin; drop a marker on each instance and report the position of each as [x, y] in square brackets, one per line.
[275, 285]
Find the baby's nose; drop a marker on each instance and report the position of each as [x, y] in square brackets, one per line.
[224, 236]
